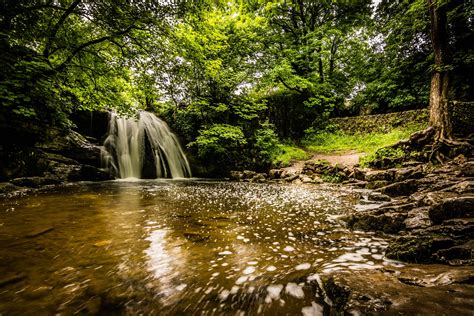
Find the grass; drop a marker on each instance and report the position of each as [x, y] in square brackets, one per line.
[288, 153]
[367, 143]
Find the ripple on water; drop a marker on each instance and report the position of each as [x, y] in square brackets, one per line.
[185, 247]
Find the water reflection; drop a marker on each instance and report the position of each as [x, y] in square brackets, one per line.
[180, 248]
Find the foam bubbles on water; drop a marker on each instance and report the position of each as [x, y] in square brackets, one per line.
[249, 270]
[294, 290]
[303, 266]
[313, 310]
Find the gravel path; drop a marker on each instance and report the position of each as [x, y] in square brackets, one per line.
[350, 159]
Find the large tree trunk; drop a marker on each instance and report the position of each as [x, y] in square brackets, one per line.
[440, 118]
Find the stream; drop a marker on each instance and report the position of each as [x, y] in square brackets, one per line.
[184, 247]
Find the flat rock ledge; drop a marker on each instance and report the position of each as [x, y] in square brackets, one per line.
[430, 290]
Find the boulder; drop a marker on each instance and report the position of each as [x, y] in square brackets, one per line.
[372, 185]
[417, 249]
[34, 182]
[275, 174]
[359, 174]
[408, 173]
[88, 173]
[74, 146]
[248, 174]
[376, 220]
[403, 188]
[464, 252]
[6, 187]
[378, 197]
[379, 175]
[462, 207]
[258, 178]
[236, 175]
[418, 219]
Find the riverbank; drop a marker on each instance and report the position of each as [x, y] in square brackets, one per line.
[428, 212]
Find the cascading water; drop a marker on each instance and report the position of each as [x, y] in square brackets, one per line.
[131, 142]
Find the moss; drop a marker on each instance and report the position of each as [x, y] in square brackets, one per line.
[289, 153]
[417, 249]
[384, 158]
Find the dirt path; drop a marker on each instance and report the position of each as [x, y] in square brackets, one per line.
[350, 159]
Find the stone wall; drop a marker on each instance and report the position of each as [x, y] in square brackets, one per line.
[463, 120]
[381, 122]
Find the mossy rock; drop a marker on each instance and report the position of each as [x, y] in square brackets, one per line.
[418, 249]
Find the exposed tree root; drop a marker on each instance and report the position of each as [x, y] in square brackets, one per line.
[431, 146]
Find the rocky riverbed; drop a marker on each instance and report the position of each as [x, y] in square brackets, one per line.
[428, 210]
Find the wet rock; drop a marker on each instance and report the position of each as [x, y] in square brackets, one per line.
[275, 174]
[417, 249]
[72, 145]
[359, 174]
[378, 197]
[258, 178]
[463, 252]
[463, 187]
[418, 218]
[348, 297]
[432, 290]
[373, 185]
[434, 198]
[403, 188]
[337, 292]
[306, 179]
[248, 174]
[88, 173]
[378, 175]
[462, 207]
[377, 220]
[359, 184]
[289, 177]
[412, 163]
[236, 175]
[297, 181]
[34, 182]
[6, 187]
[408, 173]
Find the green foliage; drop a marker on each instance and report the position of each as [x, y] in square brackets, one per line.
[339, 142]
[266, 145]
[383, 158]
[231, 77]
[287, 153]
[331, 178]
[220, 144]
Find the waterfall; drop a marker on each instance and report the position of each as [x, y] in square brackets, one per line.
[131, 143]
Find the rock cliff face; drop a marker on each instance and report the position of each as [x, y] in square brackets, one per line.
[60, 156]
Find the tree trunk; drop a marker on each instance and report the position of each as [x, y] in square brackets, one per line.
[440, 118]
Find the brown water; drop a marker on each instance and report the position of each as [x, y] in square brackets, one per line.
[177, 247]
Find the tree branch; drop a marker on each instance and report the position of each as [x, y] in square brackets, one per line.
[287, 86]
[90, 43]
[57, 26]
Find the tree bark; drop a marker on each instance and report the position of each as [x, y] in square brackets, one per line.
[440, 118]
